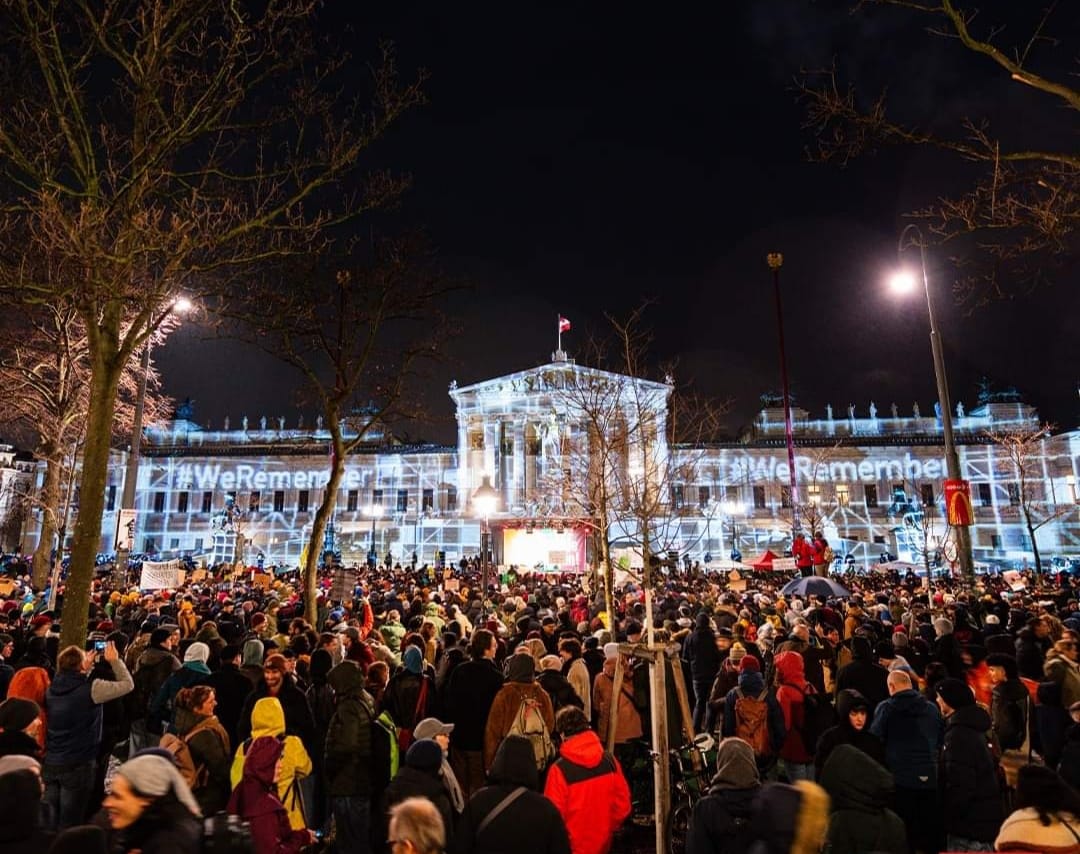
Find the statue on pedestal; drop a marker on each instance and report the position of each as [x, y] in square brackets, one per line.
[244, 423]
[281, 423]
[873, 409]
[226, 423]
[851, 411]
[262, 423]
[828, 411]
[915, 411]
[894, 410]
[960, 409]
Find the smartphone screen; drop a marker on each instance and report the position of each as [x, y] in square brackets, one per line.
[99, 646]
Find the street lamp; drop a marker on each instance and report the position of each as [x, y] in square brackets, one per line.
[775, 261]
[374, 511]
[485, 500]
[180, 307]
[906, 282]
[733, 510]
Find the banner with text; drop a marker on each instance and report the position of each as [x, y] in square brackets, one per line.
[160, 575]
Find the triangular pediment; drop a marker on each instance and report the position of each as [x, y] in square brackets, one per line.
[548, 379]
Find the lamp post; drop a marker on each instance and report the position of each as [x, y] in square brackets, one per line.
[905, 282]
[374, 511]
[733, 510]
[485, 500]
[179, 306]
[775, 261]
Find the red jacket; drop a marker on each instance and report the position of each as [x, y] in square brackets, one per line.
[803, 553]
[588, 788]
[791, 679]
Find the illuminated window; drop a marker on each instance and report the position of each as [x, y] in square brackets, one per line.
[451, 499]
[159, 502]
[676, 496]
[785, 496]
[427, 500]
[279, 500]
[253, 503]
[759, 497]
[813, 493]
[870, 494]
[182, 502]
[207, 502]
[843, 496]
[110, 498]
[986, 494]
[402, 500]
[303, 498]
[1014, 493]
[376, 497]
[352, 500]
[476, 440]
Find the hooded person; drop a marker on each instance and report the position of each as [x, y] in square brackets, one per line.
[790, 819]
[520, 686]
[864, 674]
[255, 801]
[354, 775]
[852, 727]
[418, 777]
[526, 823]
[320, 698]
[251, 660]
[21, 830]
[20, 721]
[151, 808]
[721, 822]
[193, 671]
[791, 690]
[860, 792]
[410, 694]
[268, 719]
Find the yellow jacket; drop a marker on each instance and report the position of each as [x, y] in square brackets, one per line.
[268, 718]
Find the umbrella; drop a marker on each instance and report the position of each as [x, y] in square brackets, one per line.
[815, 586]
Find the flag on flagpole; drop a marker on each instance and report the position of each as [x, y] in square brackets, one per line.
[564, 324]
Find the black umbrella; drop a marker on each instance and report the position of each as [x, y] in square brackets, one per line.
[815, 586]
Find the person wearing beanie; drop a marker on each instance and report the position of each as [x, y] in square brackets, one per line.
[151, 808]
[231, 688]
[520, 686]
[277, 683]
[320, 699]
[751, 687]
[153, 668]
[410, 694]
[557, 686]
[418, 777]
[864, 674]
[968, 771]
[726, 679]
[721, 820]
[1010, 713]
[251, 663]
[19, 724]
[193, 672]
[21, 831]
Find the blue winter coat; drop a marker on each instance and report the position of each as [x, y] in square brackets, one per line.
[911, 729]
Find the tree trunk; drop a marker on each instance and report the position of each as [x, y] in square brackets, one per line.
[95, 469]
[50, 512]
[310, 570]
[1034, 543]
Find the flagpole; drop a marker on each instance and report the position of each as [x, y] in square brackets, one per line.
[558, 325]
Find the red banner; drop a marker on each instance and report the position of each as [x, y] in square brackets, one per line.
[958, 502]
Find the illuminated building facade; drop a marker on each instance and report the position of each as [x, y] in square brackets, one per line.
[870, 480]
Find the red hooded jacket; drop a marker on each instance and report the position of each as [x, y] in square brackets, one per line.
[588, 788]
[792, 685]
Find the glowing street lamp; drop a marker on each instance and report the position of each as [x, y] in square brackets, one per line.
[485, 500]
[733, 510]
[905, 281]
[374, 511]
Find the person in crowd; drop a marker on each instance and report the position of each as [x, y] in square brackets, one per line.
[852, 727]
[419, 777]
[231, 688]
[519, 692]
[1061, 667]
[471, 693]
[627, 718]
[268, 719]
[803, 552]
[1047, 815]
[320, 698]
[510, 814]
[347, 759]
[255, 800]
[416, 828]
[557, 686]
[74, 735]
[211, 750]
[801, 641]
[701, 653]
[22, 829]
[969, 782]
[410, 693]
[81, 839]
[20, 721]
[752, 713]
[32, 683]
[154, 666]
[790, 819]
[151, 809]
[863, 674]
[860, 793]
[587, 786]
[439, 732]
[192, 672]
[791, 689]
[1010, 715]
[576, 672]
[277, 684]
[721, 821]
[910, 727]
[727, 678]
[251, 660]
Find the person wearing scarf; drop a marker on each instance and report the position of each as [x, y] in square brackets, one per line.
[151, 808]
[255, 801]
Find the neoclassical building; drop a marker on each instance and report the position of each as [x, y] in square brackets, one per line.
[869, 477]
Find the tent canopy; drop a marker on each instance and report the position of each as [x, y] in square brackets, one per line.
[763, 561]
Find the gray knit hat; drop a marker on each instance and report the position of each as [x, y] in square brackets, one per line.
[154, 776]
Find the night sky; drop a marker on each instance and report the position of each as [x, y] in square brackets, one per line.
[579, 159]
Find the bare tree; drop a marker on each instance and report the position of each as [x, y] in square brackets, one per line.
[1016, 222]
[1024, 456]
[357, 335]
[161, 148]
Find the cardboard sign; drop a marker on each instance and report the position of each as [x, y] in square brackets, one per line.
[452, 585]
[263, 581]
[1013, 579]
[6, 586]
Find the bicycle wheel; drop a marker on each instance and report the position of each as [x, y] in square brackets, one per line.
[678, 825]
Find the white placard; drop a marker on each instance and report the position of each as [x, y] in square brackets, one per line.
[160, 576]
[783, 564]
[125, 529]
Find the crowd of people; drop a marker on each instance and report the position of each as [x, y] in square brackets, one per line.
[420, 716]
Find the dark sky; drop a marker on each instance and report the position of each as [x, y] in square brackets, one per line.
[578, 159]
